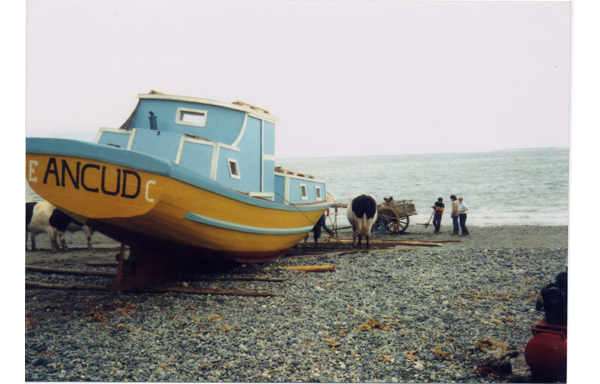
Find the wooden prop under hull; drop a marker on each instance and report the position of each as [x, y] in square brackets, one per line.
[142, 267]
[152, 261]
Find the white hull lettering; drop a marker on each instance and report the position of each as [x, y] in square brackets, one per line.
[32, 165]
[125, 183]
[153, 182]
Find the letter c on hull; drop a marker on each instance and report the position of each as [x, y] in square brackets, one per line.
[153, 182]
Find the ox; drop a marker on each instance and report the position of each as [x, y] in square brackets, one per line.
[45, 217]
[362, 214]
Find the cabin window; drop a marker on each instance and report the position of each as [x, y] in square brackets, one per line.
[234, 169]
[193, 117]
[303, 194]
[318, 193]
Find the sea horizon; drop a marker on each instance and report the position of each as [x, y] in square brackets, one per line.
[502, 187]
[426, 153]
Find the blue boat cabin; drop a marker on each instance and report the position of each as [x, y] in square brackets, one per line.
[230, 143]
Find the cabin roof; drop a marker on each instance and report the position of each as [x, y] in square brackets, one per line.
[279, 171]
[258, 112]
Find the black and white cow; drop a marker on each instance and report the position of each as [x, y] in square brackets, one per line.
[45, 217]
[362, 214]
[75, 226]
[28, 216]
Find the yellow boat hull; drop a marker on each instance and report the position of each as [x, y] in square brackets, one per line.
[132, 205]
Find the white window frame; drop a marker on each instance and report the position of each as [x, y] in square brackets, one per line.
[303, 196]
[237, 168]
[264, 195]
[318, 195]
[181, 110]
[130, 132]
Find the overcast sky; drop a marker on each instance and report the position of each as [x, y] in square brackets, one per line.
[344, 78]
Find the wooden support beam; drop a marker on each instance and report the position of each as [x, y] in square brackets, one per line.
[189, 290]
[420, 243]
[102, 264]
[438, 241]
[340, 228]
[112, 274]
[202, 291]
[390, 250]
[312, 253]
[311, 268]
[68, 271]
[241, 278]
[82, 287]
[390, 243]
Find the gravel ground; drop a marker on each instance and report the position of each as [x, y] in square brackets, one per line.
[424, 315]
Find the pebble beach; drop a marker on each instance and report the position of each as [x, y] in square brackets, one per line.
[403, 314]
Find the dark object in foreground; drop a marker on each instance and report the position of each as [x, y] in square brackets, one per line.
[546, 352]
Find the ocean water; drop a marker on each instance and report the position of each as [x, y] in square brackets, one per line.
[511, 187]
[516, 187]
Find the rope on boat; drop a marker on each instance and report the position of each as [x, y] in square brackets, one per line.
[293, 205]
[309, 220]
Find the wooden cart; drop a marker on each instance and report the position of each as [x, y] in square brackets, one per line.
[394, 215]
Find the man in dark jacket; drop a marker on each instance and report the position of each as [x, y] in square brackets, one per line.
[437, 216]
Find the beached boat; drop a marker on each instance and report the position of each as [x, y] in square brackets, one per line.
[182, 175]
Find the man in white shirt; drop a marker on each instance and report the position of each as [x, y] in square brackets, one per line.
[462, 216]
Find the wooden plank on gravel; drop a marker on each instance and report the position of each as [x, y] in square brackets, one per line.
[417, 243]
[427, 243]
[191, 290]
[349, 252]
[102, 264]
[311, 254]
[82, 287]
[231, 278]
[311, 268]
[201, 291]
[240, 278]
[409, 242]
[69, 271]
[112, 274]
[439, 241]
[390, 250]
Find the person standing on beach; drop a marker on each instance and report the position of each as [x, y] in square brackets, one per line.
[454, 215]
[437, 216]
[462, 215]
[317, 231]
[323, 224]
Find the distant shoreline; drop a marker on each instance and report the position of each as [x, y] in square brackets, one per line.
[426, 154]
[502, 236]
[482, 237]
[530, 149]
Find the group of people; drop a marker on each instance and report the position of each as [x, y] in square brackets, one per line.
[458, 215]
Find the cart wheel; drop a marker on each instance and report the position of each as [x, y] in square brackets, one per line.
[403, 223]
[390, 219]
